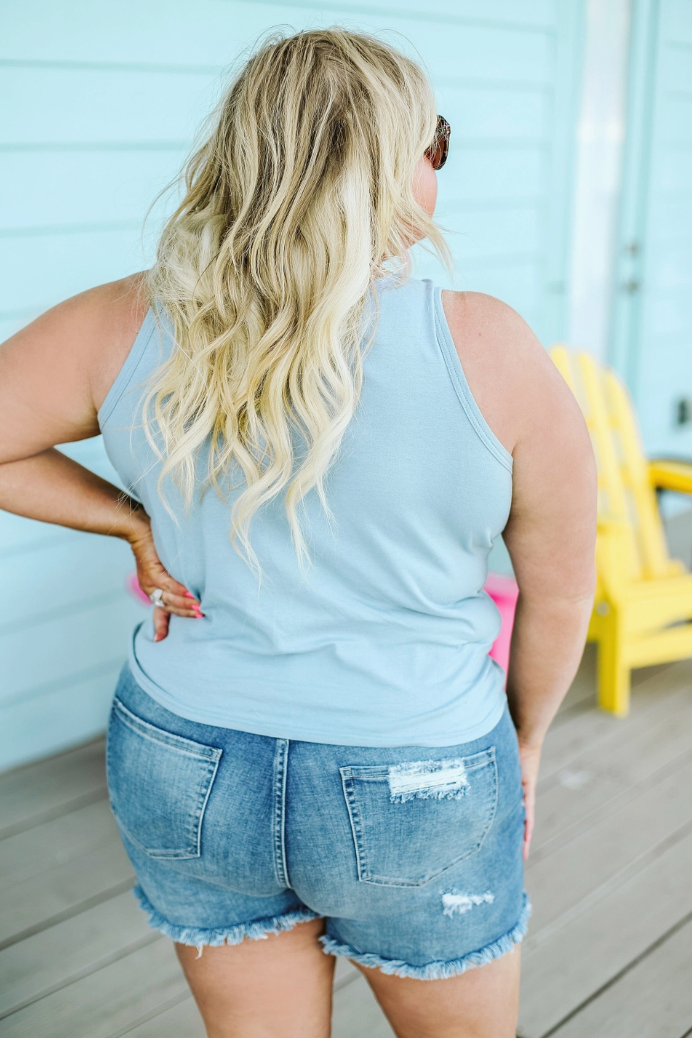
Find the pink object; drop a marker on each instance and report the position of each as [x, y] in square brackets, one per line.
[504, 592]
[135, 590]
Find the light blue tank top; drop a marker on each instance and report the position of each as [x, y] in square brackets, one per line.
[385, 641]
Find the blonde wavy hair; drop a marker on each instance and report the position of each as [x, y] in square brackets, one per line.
[300, 193]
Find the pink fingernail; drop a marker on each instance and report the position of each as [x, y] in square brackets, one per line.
[188, 594]
[200, 616]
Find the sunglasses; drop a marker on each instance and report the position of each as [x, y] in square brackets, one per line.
[439, 149]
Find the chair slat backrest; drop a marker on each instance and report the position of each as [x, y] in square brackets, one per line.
[648, 528]
[624, 490]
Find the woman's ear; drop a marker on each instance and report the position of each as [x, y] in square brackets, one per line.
[425, 185]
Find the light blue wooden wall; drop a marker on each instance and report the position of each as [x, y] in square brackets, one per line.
[99, 106]
[652, 342]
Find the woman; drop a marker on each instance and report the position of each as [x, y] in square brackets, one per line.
[309, 749]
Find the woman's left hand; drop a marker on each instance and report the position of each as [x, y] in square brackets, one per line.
[152, 574]
[530, 757]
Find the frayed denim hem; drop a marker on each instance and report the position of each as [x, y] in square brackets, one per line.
[437, 970]
[198, 937]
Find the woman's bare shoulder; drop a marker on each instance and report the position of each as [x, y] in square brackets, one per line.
[97, 328]
[508, 370]
[56, 372]
[121, 307]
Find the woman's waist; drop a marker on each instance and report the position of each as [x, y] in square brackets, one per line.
[363, 705]
[389, 656]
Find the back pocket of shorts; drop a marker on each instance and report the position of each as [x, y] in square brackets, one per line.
[413, 821]
[159, 784]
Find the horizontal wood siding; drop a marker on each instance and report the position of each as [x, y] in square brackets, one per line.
[101, 104]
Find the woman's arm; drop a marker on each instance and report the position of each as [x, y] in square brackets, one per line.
[54, 376]
[551, 532]
[551, 537]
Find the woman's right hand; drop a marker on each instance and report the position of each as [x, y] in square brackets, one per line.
[530, 757]
[151, 573]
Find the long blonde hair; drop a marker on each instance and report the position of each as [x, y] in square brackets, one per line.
[299, 194]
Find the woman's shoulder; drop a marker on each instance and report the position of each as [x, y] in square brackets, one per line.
[56, 372]
[508, 370]
[91, 332]
[102, 325]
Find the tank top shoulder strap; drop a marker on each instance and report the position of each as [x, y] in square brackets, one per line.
[411, 313]
[461, 386]
[141, 360]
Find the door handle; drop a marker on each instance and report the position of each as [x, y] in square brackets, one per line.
[631, 286]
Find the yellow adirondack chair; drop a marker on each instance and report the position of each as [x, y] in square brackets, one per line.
[643, 601]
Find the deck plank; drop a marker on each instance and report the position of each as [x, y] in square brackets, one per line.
[41, 964]
[344, 973]
[108, 1002]
[356, 1013]
[43, 790]
[144, 993]
[611, 771]
[54, 958]
[609, 849]
[55, 869]
[652, 1000]
[562, 970]
[581, 727]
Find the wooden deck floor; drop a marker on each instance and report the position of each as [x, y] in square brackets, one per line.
[609, 950]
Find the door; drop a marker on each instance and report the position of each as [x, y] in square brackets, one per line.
[652, 333]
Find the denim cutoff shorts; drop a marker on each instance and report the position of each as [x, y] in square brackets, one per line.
[412, 854]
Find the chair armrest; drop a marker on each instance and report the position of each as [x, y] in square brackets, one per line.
[671, 475]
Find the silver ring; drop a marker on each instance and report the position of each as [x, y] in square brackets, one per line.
[157, 597]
